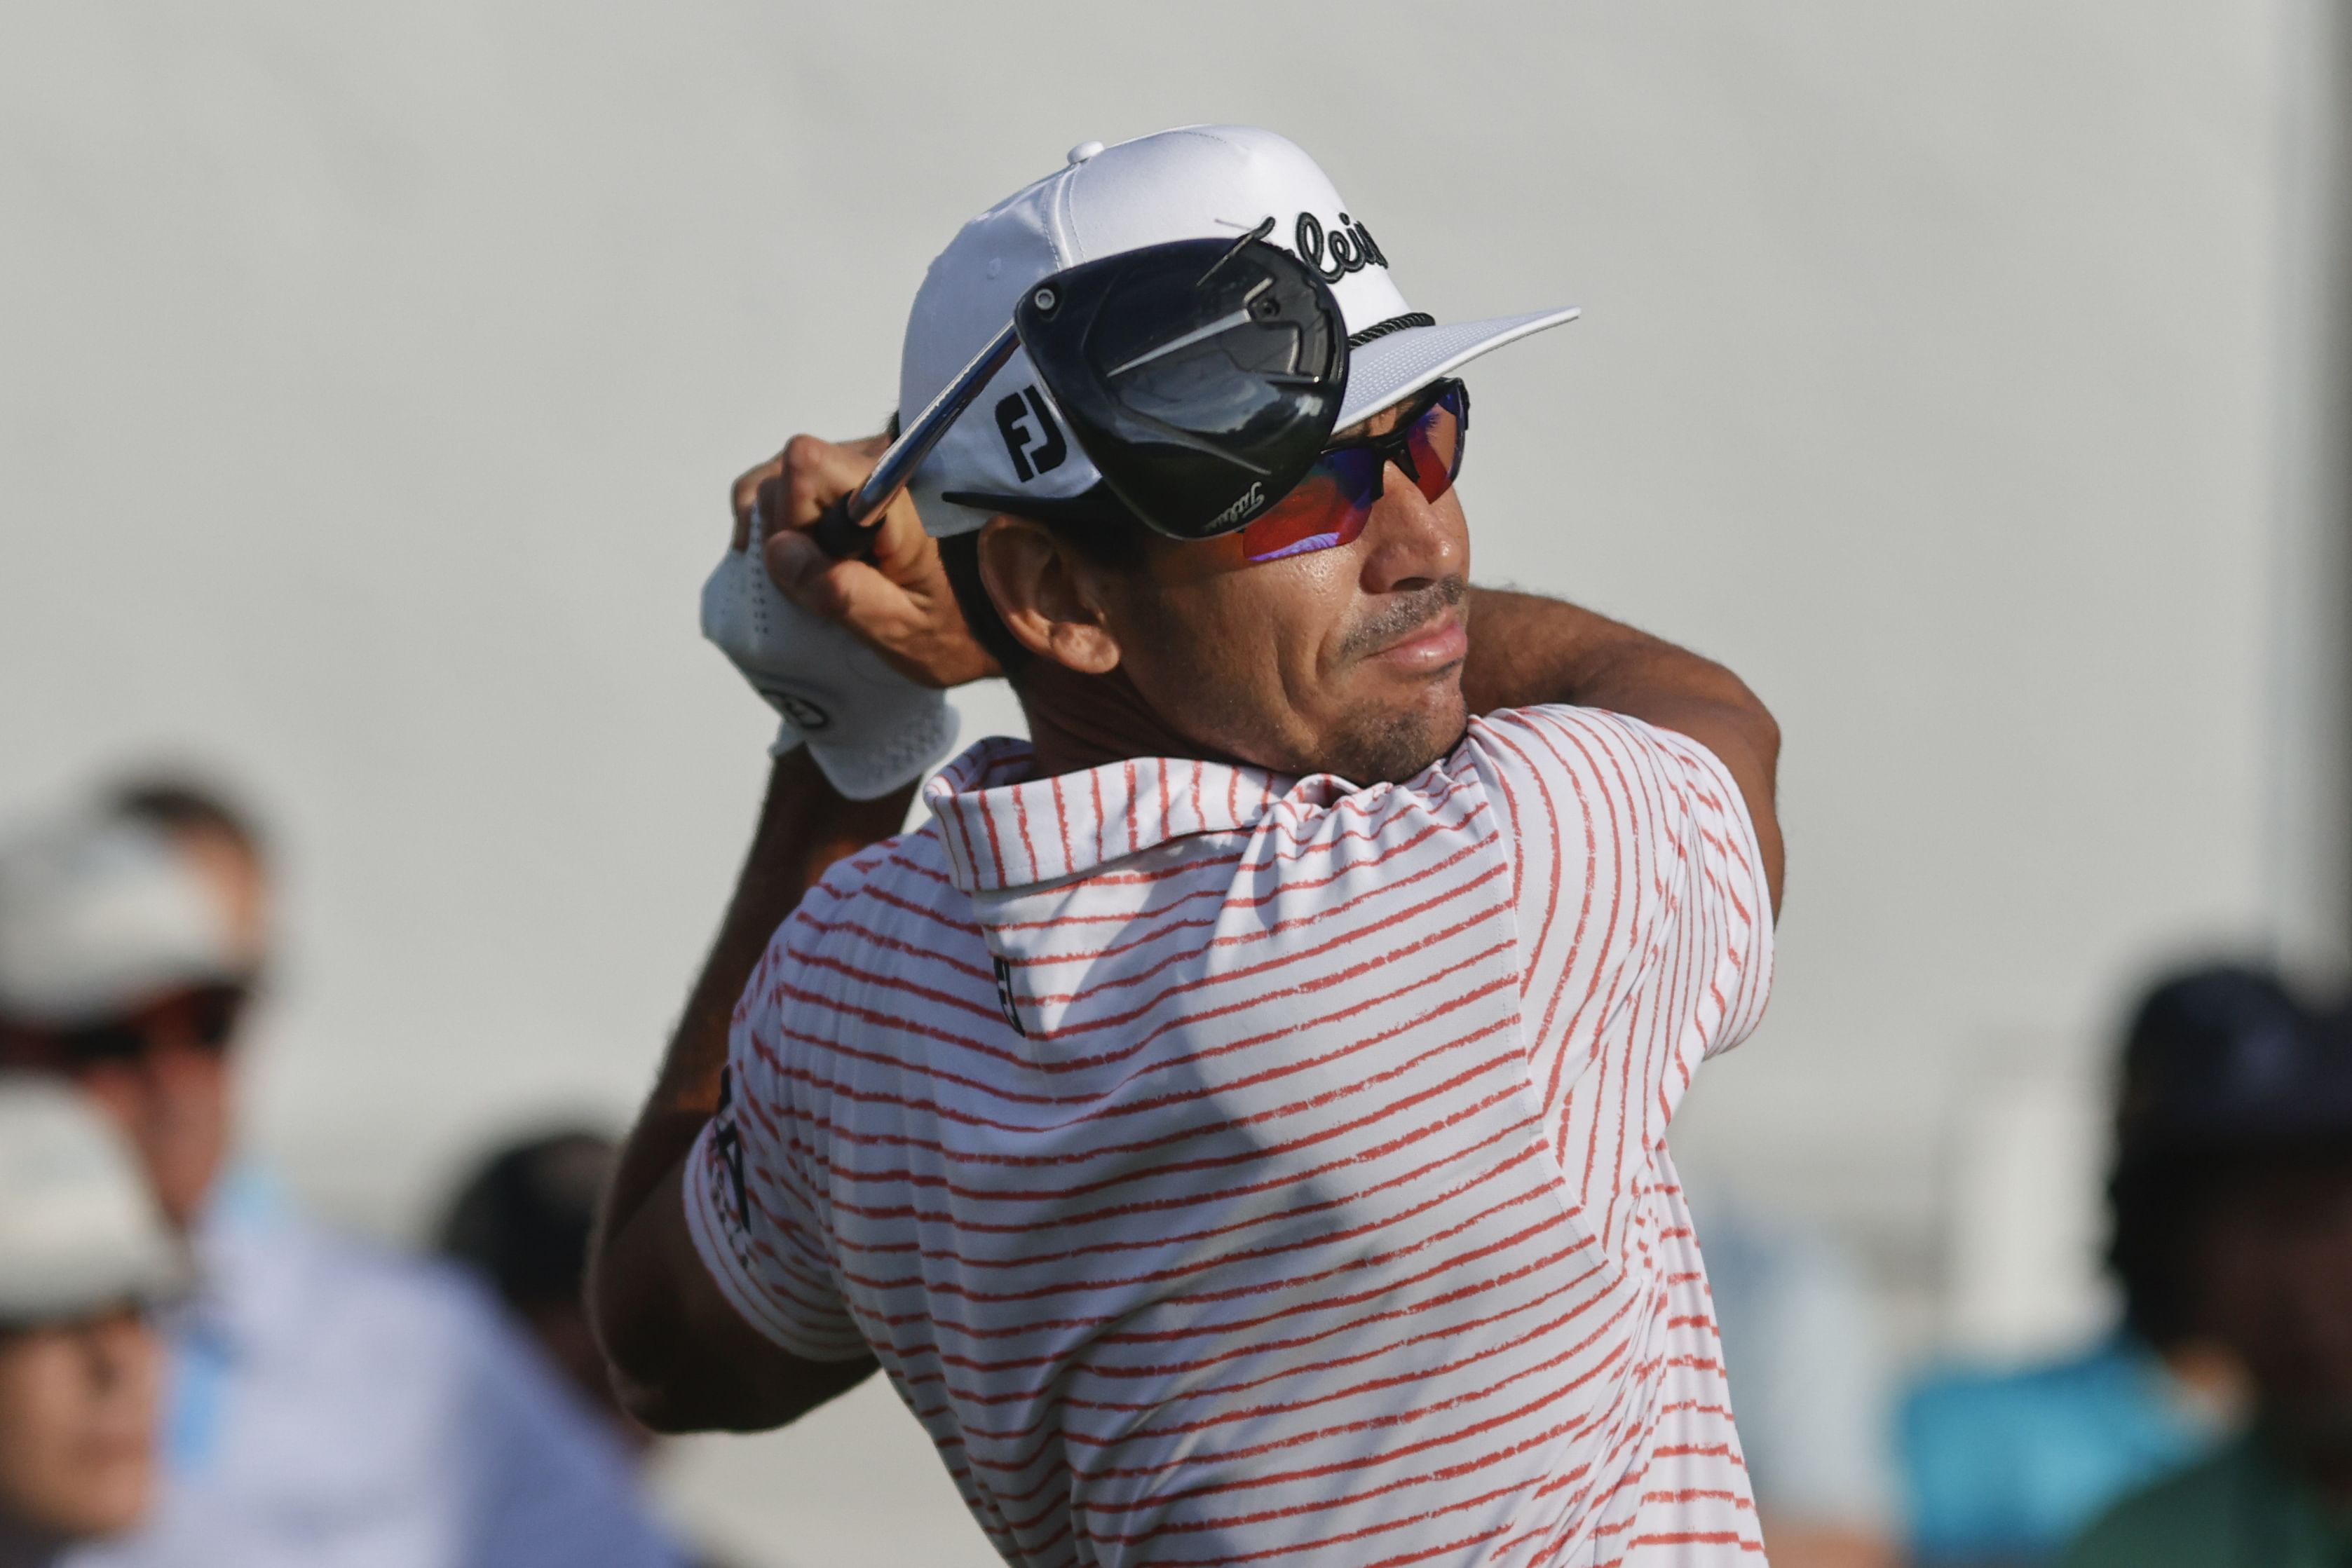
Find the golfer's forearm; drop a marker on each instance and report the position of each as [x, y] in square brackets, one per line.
[1527, 650]
[805, 825]
[680, 1358]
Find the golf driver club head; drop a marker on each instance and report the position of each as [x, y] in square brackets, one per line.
[1202, 377]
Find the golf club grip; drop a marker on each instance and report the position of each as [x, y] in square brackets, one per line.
[839, 536]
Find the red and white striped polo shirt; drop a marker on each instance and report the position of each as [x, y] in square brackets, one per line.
[1234, 1169]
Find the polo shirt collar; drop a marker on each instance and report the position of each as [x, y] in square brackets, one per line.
[1005, 828]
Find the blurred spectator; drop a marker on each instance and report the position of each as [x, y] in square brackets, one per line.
[1806, 1362]
[521, 1221]
[2237, 1167]
[2007, 1467]
[330, 1403]
[83, 1253]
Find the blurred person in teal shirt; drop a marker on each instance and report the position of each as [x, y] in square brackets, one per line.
[2244, 1161]
[2006, 1467]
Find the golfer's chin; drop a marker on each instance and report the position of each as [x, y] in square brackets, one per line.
[1395, 741]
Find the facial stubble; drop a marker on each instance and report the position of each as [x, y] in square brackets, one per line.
[1378, 743]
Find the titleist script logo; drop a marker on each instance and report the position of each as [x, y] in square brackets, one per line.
[1034, 452]
[1249, 502]
[1349, 247]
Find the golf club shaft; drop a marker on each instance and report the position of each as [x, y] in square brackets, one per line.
[844, 531]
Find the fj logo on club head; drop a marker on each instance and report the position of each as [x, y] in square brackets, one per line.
[1034, 452]
[1349, 247]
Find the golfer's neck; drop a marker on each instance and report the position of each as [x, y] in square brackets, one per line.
[1078, 722]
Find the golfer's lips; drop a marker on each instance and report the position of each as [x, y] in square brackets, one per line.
[1437, 643]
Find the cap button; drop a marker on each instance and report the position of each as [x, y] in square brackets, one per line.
[1083, 151]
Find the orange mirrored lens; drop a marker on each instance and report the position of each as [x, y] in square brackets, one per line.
[1326, 508]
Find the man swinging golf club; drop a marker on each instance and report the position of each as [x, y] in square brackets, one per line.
[1235, 1122]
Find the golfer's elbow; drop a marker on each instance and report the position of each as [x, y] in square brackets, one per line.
[639, 1294]
[677, 1355]
[659, 1400]
[704, 1382]
[631, 1331]
[653, 1359]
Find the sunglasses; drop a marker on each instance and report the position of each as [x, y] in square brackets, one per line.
[205, 1017]
[1331, 507]
[1326, 509]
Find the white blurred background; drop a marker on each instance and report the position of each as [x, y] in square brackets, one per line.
[1962, 374]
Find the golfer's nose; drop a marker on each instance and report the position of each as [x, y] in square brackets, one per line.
[1414, 541]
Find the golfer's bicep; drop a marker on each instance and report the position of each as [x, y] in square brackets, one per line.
[1638, 886]
[1715, 877]
[1572, 808]
[749, 1211]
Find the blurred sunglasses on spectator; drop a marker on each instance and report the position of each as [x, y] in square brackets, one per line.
[205, 1017]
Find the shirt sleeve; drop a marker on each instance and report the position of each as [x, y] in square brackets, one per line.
[1644, 921]
[750, 1206]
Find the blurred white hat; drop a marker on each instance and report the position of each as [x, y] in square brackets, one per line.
[79, 1230]
[1200, 182]
[99, 915]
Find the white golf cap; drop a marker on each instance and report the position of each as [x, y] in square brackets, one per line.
[78, 1230]
[1197, 183]
[98, 916]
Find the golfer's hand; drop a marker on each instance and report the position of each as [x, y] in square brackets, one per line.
[899, 601]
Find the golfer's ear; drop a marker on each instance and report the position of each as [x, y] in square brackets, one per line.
[1041, 595]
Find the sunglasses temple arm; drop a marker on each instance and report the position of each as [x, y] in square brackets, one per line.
[844, 531]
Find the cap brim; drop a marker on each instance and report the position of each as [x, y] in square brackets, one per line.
[1395, 365]
[147, 1271]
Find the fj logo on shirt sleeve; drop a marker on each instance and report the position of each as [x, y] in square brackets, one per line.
[1005, 998]
[728, 1144]
[1033, 450]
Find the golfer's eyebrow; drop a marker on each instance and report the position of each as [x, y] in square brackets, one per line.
[1379, 423]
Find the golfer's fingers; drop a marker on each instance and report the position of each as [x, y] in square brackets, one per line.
[849, 592]
[815, 474]
[902, 550]
[789, 493]
[854, 595]
[808, 476]
[764, 493]
[799, 567]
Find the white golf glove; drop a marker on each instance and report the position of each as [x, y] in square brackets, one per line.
[870, 728]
